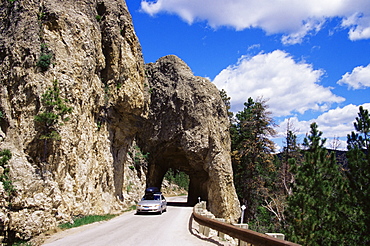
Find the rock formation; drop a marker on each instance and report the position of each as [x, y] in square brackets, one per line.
[90, 51]
[73, 97]
[188, 129]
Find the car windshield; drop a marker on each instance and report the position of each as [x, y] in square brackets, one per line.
[152, 197]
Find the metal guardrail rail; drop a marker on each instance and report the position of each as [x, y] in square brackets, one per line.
[246, 235]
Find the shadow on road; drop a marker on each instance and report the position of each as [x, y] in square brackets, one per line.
[178, 204]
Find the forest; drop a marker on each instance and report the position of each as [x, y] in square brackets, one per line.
[304, 192]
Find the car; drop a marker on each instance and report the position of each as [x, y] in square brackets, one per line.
[152, 203]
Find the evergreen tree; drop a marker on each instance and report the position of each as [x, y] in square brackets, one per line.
[252, 154]
[291, 153]
[317, 210]
[226, 99]
[53, 114]
[359, 173]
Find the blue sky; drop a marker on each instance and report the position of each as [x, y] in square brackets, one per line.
[309, 58]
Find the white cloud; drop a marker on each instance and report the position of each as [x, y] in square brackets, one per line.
[289, 86]
[335, 124]
[359, 25]
[359, 78]
[294, 18]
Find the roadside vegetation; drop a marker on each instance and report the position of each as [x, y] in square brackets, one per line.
[89, 219]
[178, 177]
[305, 191]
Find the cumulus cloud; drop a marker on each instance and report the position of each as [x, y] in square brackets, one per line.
[293, 18]
[359, 78]
[289, 86]
[359, 26]
[335, 124]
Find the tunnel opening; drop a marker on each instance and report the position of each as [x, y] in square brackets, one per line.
[174, 159]
[178, 178]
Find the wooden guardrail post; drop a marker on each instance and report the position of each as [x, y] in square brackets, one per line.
[202, 210]
[202, 228]
[244, 226]
[221, 235]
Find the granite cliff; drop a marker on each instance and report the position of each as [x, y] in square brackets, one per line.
[74, 96]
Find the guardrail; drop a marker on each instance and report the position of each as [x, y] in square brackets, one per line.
[245, 235]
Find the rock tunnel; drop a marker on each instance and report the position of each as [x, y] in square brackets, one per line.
[176, 158]
[187, 128]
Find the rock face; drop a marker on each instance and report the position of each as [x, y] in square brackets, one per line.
[188, 129]
[90, 51]
[73, 96]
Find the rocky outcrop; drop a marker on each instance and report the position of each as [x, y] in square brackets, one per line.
[73, 97]
[88, 52]
[188, 129]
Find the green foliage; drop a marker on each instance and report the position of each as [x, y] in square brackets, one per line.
[98, 18]
[318, 208]
[129, 187]
[178, 177]
[99, 124]
[44, 61]
[226, 99]
[252, 155]
[41, 15]
[359, 174]
[132, 207]
[305, 193]
[87, 220]
[263, 222]
[54, 112]
[140, 156]
[5, 156]
[21, 243]
[290, 153]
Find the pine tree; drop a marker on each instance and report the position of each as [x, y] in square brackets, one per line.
[53, 115]
[291, 153]
[359, 174]
[226, 99]
[251, 154]
[317, 210]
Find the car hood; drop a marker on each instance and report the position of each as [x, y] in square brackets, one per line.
[149, 202]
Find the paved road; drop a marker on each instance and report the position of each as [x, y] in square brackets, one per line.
[170, 228]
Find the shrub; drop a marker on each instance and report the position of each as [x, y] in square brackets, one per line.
[5, 156]
[44, 61]
[55, 111]
[98, 18]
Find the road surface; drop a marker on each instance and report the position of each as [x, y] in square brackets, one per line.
[171, 228]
